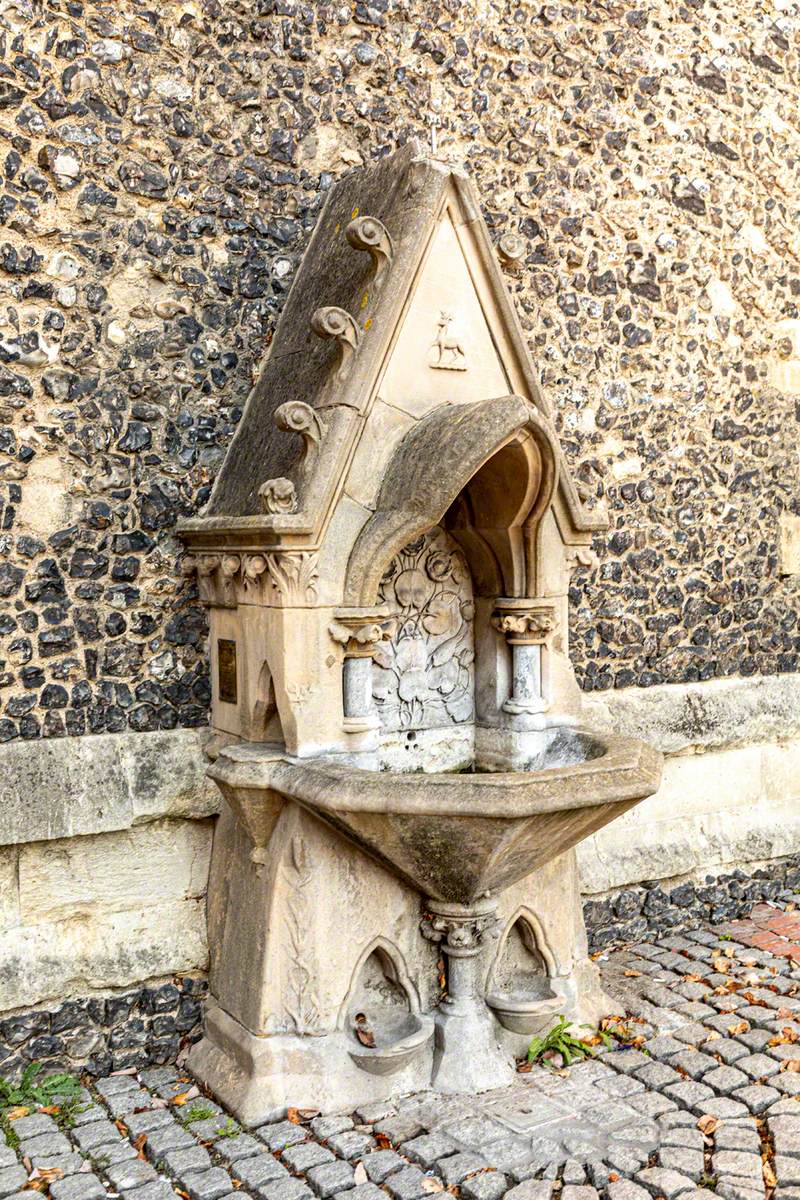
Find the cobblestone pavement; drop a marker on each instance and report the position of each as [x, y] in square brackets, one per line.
[700, 1094]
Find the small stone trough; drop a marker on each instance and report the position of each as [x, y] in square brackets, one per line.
[386, 556]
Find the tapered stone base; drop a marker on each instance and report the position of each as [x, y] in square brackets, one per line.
[258, 1078]
[467, 1057]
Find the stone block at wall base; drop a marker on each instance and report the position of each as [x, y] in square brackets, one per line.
[145, 1026]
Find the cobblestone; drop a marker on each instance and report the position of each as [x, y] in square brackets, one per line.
[628, 1125]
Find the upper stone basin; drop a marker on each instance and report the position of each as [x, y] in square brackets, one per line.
[453, 836]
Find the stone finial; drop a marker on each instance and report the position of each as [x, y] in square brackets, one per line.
[278, 496]
[368, 233]
[295, 416]
[336, 323]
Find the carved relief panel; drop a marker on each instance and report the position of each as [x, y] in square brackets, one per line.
[424, 676]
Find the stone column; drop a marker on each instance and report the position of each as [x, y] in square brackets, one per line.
[360, 631]
[527, 625]
[467, 1056]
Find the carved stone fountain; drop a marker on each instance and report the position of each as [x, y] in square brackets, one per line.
[385, 558]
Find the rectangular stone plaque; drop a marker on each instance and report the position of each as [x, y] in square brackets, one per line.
[226, 669]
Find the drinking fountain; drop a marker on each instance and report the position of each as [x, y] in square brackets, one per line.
[393, 901]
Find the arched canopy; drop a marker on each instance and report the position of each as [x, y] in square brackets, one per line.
[491, 467]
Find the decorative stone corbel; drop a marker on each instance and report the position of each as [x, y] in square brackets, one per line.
[527, 625]
[295, 416]
[278, 496]
[368, 233]
[336, 323]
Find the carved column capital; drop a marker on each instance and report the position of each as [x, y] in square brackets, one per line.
[525, 622]
[361, 630]
[458, 929]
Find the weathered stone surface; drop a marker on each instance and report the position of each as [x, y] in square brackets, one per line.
[60, 789]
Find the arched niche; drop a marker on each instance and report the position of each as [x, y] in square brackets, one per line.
[487, 472]
[380, 1017]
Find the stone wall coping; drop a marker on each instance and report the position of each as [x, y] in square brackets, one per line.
[70, 787]
[683, 718]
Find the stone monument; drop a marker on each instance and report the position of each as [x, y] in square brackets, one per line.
[385, 558]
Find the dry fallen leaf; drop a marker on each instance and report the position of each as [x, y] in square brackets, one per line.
[739, 1027]
[429, 1184]
[613, 1177]
[708, 1124]
[14, 1114]
[181, 1098]
[383, 1141]
[712, 1037]
[791, 1064]
[692, 978]
[49, 1174]
[770, 1178]
[631, 974]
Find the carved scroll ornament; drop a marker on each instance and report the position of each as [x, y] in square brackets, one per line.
[368, 233]
[336, 323]
[295, 416]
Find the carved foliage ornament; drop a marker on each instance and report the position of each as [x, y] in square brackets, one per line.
[278, 496]
[462, 932]
[360, 636]
[424, 676]
[528, 625]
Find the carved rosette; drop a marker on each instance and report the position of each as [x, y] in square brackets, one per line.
[524, 622]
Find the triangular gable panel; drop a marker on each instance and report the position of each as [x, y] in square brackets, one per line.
[444, 351]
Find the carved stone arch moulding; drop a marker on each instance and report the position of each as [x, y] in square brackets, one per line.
[437, 462]
[397, 959]
[527, 917]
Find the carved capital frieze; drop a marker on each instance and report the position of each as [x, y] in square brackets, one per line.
[360, 633]
[524, 622]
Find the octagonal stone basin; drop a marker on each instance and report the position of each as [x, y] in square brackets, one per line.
[454, 836]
